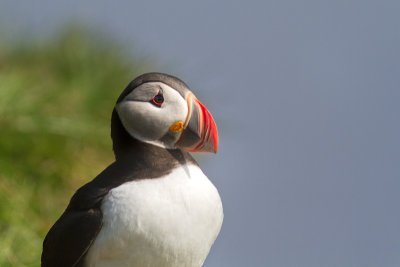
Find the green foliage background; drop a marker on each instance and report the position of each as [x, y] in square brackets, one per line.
[56, 98]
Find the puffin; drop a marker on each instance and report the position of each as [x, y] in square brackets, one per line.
[153, 206]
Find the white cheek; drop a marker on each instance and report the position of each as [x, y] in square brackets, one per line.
[147, 122]
[140, 119]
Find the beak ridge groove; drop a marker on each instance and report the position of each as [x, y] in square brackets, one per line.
[200, 133]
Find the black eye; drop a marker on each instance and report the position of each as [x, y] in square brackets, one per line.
[158, 100]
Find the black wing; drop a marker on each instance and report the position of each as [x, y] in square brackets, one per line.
[69, 239]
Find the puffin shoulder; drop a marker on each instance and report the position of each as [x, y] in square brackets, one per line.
[69, 239]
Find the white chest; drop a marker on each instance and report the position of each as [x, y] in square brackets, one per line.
[169, 221]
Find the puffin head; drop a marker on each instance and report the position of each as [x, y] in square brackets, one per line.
[159, 109]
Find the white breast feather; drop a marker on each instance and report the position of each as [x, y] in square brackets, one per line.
[169, 221]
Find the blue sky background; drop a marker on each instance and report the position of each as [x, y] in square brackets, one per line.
[307, 97]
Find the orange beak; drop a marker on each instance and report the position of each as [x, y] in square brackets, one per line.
[200, 131]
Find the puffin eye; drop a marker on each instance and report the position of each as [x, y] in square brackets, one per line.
[158, 100]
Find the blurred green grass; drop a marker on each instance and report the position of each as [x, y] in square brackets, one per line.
[56, 98]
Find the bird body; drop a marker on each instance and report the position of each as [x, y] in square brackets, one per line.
[153, 206]
[140, 221]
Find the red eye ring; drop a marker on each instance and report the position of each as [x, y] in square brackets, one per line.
[158, 100]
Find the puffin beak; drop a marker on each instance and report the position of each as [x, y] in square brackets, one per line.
[200, 131]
